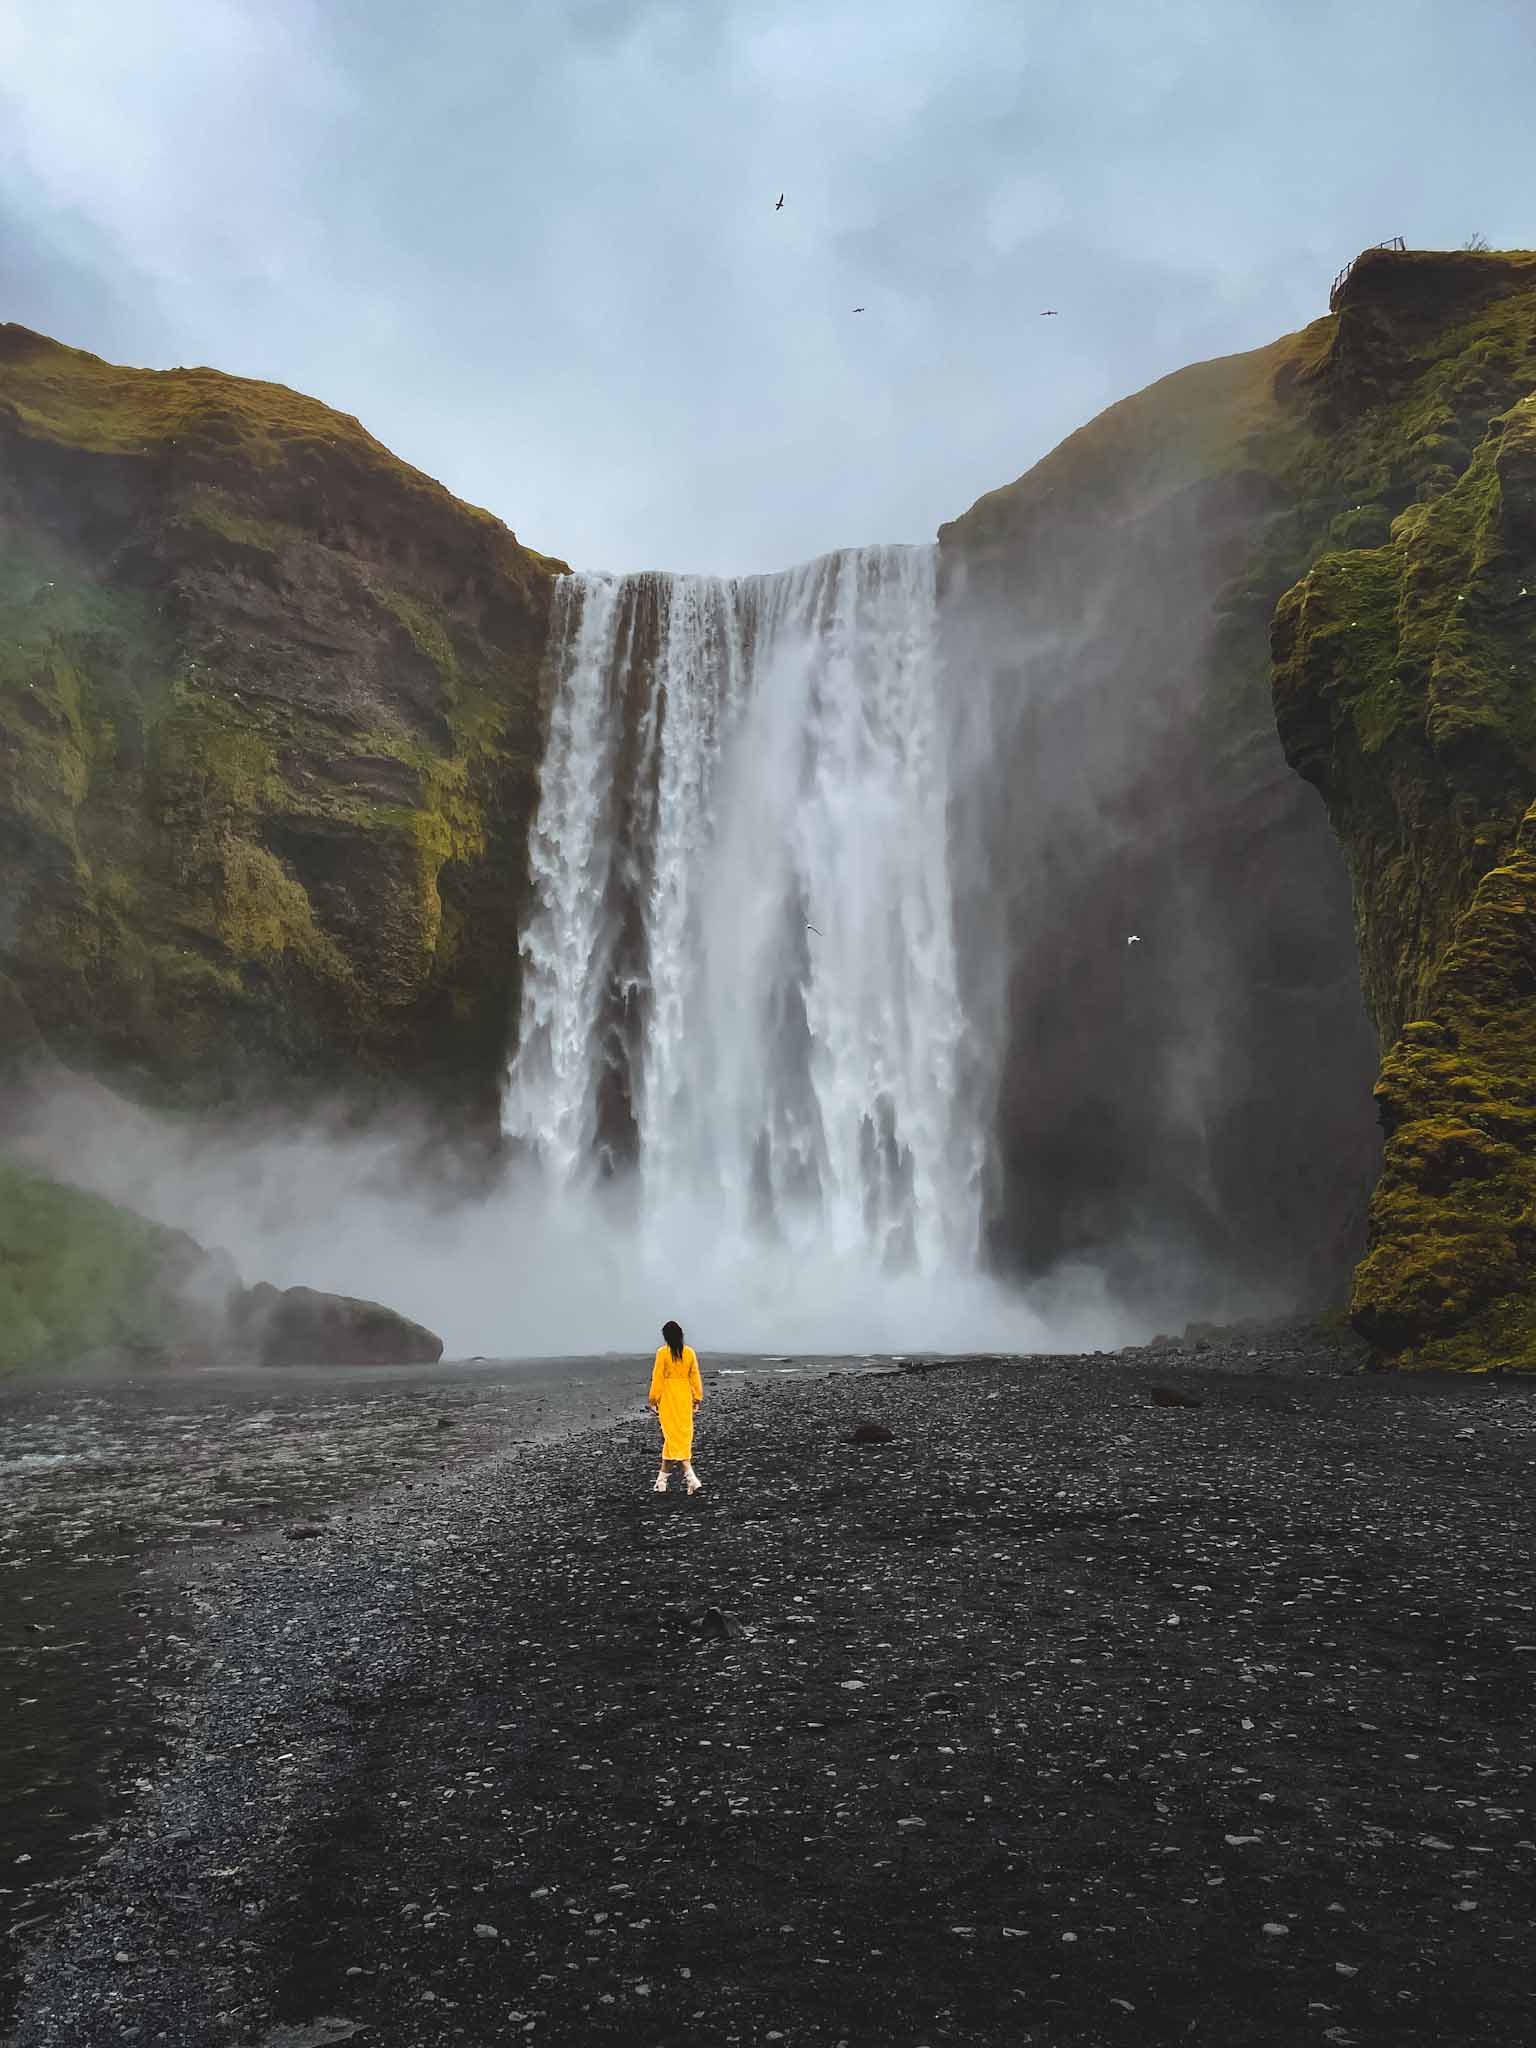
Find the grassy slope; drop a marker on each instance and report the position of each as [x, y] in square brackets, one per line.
[78, 1274]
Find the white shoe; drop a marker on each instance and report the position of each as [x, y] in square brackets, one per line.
[695, 1483]
[661, 1483]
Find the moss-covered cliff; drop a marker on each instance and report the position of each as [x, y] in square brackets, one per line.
[269, 739]
[1368, 487]
[1405, 688]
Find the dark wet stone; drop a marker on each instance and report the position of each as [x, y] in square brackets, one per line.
[870, 1433]
[298, 1326]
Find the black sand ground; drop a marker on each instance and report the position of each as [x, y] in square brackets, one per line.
[1059, 1718]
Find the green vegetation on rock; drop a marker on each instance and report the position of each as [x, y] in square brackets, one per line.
[1405, 688]
[270, 723]
[79, 1275]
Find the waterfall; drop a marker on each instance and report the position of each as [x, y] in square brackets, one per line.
[739, 990]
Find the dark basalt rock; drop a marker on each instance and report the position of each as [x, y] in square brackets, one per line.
[298, 1326]
[870, 1433]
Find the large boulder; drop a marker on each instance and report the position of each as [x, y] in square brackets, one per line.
[298, 1326]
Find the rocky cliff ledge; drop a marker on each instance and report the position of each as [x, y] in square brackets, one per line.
[269, 740]
[1405, 689]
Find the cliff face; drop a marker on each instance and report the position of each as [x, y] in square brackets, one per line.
[1405, 689]
[1370, 485]
[269, 739]
[1191, 1109]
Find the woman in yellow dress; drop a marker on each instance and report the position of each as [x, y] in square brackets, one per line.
[676, 1390]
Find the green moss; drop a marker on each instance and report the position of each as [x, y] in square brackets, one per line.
[265, 911]
[77, 1274]
[216, 511]
[69, 395]
[427, 632]
[82, 670]
[213, 766]
[1449, 1279]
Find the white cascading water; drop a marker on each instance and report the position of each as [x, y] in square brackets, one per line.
[740, 1001]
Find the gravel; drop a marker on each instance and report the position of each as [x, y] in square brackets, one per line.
[1060, 1716]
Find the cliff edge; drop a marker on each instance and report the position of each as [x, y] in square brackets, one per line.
[269, 740]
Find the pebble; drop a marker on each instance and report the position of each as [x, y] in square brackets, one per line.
[1011, 1601]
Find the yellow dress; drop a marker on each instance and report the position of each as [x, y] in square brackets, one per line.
[676, 1390]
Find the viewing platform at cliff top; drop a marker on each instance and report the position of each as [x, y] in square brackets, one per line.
[1175, 1694]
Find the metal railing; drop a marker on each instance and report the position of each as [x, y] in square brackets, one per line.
[1396, 242]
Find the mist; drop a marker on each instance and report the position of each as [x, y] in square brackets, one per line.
[383, 1214]
[1152, 916]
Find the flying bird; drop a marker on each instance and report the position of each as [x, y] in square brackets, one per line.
[812, 928]
[1050, 313]
[858, 309]
[779, 204]
[1134, 939]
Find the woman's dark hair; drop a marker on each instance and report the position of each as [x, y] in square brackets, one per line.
[673, 1332]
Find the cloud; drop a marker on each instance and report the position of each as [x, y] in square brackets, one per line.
[535, 248]
[169, 130]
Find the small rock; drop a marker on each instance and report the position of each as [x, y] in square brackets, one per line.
[852, 1685]
[296, 1532]
[870, 1433]
[486, 1931]
[1275, 1927]
[1172, 1397]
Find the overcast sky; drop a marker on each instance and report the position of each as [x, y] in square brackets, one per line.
[532, 243]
